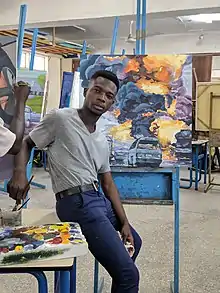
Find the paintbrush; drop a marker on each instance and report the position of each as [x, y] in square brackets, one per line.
[18, 201]
[24, 204]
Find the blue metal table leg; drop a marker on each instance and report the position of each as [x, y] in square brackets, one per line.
[196, 168]
[205, 163]
[98, 283]
[190, 180]
[96, 277]
[64, 282]
[56, 282]
[175, 191]
[42, 186]
[73, 278]
[176, 236]
[42, 281]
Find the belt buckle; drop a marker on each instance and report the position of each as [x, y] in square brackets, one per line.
[95, 187]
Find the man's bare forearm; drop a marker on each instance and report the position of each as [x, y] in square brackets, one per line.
[17, 127]
[22, 158]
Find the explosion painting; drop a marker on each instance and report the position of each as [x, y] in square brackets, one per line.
[150, 123]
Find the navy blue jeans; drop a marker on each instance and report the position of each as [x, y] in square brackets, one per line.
[95, 215]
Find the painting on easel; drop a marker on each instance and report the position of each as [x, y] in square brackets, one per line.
[8, 49]
[150, 123]
[34, 106]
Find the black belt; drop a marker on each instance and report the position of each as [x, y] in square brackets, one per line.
[77, 190]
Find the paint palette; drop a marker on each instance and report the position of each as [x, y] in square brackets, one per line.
[23, 244]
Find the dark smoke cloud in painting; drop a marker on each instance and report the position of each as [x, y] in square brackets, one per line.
[150, 123]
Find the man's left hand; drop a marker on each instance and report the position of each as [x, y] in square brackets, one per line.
[126, 234]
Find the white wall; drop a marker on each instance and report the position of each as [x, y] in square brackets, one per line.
[169, 44]
[56, 67]
[51, 11]
[53, 99]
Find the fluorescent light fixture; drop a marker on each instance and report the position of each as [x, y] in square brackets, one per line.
[207, 18]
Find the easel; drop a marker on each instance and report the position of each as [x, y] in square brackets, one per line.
[157, 187]
[214, 141]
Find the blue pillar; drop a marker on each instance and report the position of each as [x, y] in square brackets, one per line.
[138, 27]
[22, 19]
[144, 26]
[114, 36]
[33, 49]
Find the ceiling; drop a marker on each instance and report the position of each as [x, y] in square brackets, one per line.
[99, 31]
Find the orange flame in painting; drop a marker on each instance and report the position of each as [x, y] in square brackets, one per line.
[148, 114]
[172, 109]
[166, 154]
[109, 58]
[122, 132]
[116, 112]
[166, 130]
[165, 67]
[149, 86]
[132, 65]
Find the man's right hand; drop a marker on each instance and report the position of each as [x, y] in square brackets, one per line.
[18, 186]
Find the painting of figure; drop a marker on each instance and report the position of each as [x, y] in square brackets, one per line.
[150, 122]
[8, 48]
[7, 77]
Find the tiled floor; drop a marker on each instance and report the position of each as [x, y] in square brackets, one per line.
[199, 245]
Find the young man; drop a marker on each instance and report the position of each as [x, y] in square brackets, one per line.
[11, 139]
[77, 155]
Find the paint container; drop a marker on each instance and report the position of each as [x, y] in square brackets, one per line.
[10, 218]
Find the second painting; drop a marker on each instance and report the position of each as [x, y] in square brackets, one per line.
[150, 123]
[37, 81]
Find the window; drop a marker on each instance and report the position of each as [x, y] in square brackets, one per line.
[40, 61]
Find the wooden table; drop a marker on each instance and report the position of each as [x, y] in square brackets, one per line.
[65, 275]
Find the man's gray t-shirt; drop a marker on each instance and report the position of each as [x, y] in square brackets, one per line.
[75, 155]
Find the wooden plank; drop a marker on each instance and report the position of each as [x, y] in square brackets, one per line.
[43, 45]
[204, 90]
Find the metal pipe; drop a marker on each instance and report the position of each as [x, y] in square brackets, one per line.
[54, 36]
[114, 36]
[33, 49]
[144, 26]
[138, 27]
[22, 19]
[84, 47]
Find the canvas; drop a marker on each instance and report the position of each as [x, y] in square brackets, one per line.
[8, 48]
[34, 105]
[150, 123]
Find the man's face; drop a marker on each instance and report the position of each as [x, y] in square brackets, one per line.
[100, 95]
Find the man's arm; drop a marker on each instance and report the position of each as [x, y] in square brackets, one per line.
[18, 122]
[18, 183]
[111, 192]
[41, 136]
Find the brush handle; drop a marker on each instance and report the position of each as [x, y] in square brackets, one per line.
[18, 201]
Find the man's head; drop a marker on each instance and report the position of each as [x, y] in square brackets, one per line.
[100, 95]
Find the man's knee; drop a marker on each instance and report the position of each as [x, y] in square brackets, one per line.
[129, 277]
